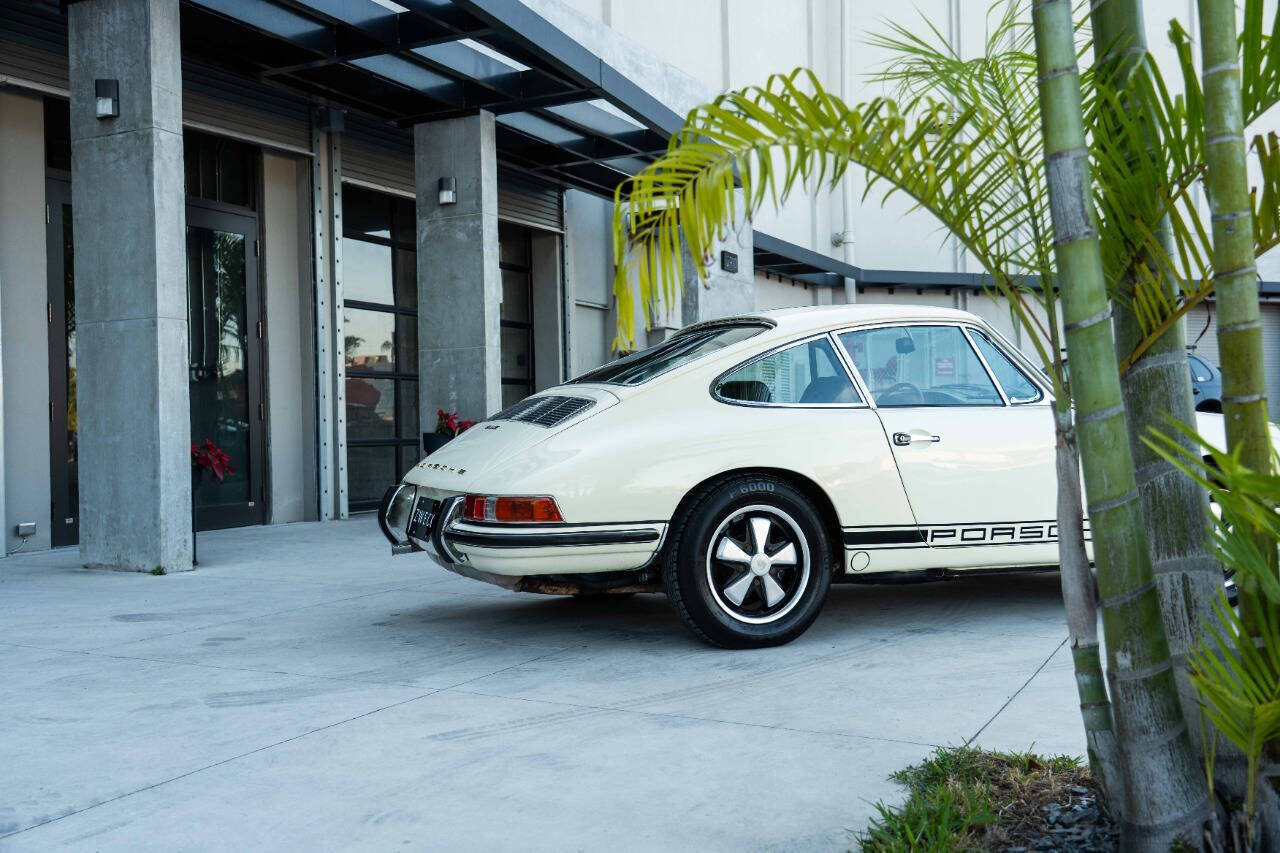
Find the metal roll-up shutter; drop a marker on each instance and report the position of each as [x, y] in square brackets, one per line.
[33, 45]
[528, 201]
[377, 156]
[240, 107]
[1271, 357]
[1204, 318]
[1202, 331]
[33, 54]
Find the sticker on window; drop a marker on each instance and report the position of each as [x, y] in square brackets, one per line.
[944, 366]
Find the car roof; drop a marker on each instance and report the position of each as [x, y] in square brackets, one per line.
[815, 318]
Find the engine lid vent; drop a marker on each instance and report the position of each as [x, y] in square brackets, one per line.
[545, 411]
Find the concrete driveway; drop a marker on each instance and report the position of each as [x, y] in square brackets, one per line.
[305, 690]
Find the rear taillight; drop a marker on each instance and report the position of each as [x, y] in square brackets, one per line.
[511, 510]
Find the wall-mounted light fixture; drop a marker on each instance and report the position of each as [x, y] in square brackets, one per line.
[448, 191]
[106, 98]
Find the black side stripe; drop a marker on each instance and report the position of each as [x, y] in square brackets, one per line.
[883, 537]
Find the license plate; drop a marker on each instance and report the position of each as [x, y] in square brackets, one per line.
[423, 518]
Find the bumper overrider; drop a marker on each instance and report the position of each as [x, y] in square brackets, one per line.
[414, 519]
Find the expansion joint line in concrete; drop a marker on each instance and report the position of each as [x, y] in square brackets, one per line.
[1017, 692]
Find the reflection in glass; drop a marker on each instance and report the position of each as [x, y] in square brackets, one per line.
[366, 271]
[368, 339]
[69, 305]
[371, 408]
[920, 366]
[516, 287]
[517, 360]
[807, 373]
[369, 471]
[409, 410]
[218, 345]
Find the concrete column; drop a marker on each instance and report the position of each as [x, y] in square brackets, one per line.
[723, 293]
[131, 292]
[459, 286]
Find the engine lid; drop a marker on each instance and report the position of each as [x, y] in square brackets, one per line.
[507, 434]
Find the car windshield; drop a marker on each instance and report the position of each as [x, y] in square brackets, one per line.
[683, 348]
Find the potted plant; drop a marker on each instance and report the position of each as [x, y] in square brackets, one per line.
[447, 426]
[205, 457]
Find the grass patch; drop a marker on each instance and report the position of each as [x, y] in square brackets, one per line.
[158, 570]
[962, 799]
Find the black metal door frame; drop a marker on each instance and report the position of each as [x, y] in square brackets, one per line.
[220, 217]
[64, 514]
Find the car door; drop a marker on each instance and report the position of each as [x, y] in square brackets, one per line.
[798, 410]
[976, 456]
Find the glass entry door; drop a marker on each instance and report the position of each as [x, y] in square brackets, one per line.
[65, 496]
[225, 369]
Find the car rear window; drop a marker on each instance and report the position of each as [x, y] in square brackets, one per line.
[683, 348]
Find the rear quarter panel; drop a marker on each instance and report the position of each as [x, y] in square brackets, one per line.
[636, 461]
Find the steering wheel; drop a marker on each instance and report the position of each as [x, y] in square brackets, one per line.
[909, 393]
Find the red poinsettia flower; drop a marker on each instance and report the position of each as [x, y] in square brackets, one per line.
[213, 458]
[447, 423]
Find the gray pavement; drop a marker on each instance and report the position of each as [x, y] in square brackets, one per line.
[305, 690]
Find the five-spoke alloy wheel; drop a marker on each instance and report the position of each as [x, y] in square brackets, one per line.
[757, 564]
[748, 563]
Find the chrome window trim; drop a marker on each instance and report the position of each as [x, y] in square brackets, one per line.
[991, 374]
[795, 342]
[1023, 363]
[1009, 401]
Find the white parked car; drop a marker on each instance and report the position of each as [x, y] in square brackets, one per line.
[745, 464]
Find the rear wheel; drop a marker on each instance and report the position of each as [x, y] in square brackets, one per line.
[749, 563]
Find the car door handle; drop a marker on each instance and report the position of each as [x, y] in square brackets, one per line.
[906, 439]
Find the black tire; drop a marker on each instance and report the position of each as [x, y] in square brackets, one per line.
[702, 587]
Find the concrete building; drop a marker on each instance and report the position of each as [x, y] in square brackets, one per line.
[344, 215]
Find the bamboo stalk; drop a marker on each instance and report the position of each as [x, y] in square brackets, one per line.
[1244, 388]
[1158, 384]
[1165, 795]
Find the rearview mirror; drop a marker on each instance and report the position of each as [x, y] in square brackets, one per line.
[905, 345]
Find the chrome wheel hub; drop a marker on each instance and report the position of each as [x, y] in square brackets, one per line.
[758, 564]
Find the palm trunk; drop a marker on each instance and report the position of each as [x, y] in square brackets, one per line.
[1082, 616]
[1156, 386]
[1165, 794]
[1244, 389]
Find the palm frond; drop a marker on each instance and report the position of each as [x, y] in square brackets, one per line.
[792, 133]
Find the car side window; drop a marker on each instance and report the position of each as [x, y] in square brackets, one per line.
[1200, 372]
[920, 366]
[807, 374]
[1016, 385]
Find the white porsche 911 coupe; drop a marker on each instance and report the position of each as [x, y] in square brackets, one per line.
[745, 464]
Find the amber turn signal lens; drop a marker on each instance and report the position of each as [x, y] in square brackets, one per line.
[511, 510]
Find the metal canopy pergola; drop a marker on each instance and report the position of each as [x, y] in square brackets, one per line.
[562, 114]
